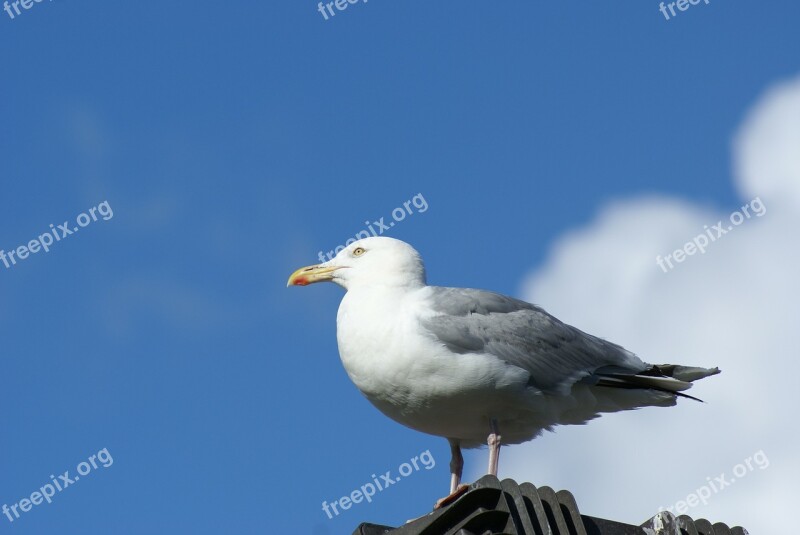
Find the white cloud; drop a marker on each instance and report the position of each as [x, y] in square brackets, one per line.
[737, 307]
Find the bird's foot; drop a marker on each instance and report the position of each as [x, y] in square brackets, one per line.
[447, 500]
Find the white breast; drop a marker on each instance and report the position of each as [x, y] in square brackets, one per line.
[410, 376]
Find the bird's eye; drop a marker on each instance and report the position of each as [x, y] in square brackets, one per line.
[358, 251]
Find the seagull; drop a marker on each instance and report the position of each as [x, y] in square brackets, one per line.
[467, 364]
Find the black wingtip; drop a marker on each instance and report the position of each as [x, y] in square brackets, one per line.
[681, 394]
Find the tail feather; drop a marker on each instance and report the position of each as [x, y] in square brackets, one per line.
[670, 378]
[685, 373]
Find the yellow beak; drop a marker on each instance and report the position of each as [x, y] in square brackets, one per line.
[311, 274]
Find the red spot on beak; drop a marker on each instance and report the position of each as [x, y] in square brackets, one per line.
[300, 281]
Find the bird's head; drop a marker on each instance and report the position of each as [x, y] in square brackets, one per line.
[377, 261]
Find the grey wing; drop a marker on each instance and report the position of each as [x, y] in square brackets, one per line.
[556, 355]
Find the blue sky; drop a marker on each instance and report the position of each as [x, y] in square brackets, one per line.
[235, 141]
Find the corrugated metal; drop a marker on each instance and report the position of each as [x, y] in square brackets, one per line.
[492, 507]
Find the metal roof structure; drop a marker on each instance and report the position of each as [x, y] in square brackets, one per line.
[492, 507]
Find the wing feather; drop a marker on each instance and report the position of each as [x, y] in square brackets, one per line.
[555, 355]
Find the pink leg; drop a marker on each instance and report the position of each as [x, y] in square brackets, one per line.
[456, 465]
[494, 447]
